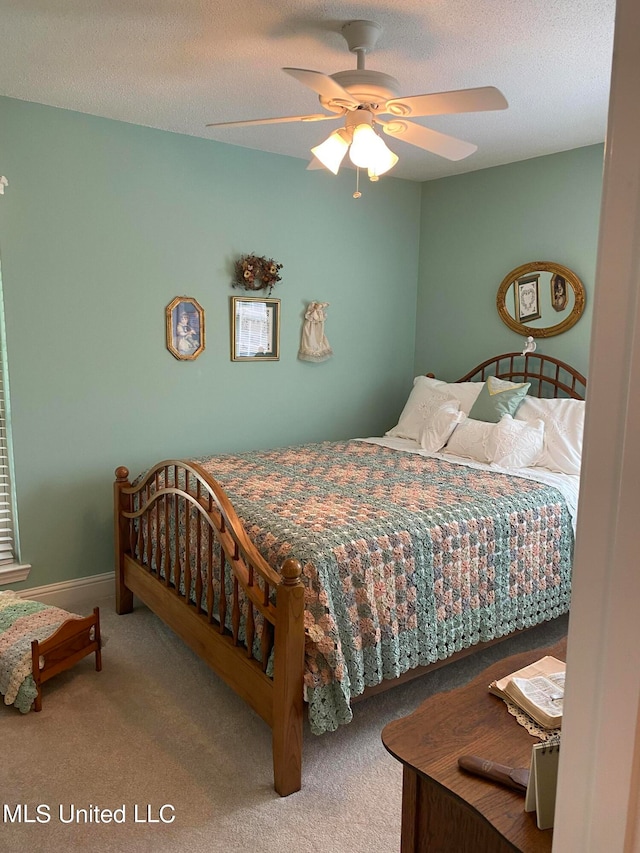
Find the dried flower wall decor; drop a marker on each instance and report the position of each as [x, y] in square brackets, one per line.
[253, 272]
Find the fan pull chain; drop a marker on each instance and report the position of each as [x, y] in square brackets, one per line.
[357, 193]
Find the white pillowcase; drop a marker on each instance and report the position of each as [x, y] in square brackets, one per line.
[429, 416]
[563, 431]
[508, 444]
[515, 444]
[469, 440]
[436, 431]
[465, 392]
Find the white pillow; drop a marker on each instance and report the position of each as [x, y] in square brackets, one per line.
[437, 429]
[429, 416]
[515, 444]
[465, 392]
[563, 431]
[469, 440]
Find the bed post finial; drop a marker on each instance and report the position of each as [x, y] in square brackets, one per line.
[122, 473]
[291, 572]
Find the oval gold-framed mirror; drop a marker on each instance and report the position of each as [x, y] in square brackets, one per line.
[540, 299]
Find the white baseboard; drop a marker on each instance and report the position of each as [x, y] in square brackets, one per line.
[75, 594]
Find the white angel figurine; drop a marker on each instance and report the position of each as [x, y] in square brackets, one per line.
[3, 183]
[314, 346]
[529, 346]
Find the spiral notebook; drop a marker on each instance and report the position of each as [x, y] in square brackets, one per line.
[543, 780]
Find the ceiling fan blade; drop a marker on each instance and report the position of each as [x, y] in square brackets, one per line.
[430, 140]
[315, 117]
[444, 103]
[324, 85]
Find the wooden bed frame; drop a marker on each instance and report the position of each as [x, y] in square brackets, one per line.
[549, 377]
[274, 600]
[72, 641]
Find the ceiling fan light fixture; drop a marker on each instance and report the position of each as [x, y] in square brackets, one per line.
[364, 146]
[363, 97]
[331, 152]
[369, 151]
[384, 160]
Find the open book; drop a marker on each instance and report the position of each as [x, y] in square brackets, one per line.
[538, 689]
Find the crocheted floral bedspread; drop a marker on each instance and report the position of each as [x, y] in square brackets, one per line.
[22, 621]
[406, 559]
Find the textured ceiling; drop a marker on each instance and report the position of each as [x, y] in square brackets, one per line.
[178, 64]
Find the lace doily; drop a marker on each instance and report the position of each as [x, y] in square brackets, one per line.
[530, 724]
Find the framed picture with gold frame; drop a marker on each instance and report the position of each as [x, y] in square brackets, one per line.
[255, 329]
[185, 328]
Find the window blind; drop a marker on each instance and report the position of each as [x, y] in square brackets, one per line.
[8, 548]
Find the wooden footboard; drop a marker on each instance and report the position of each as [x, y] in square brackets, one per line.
[182, 550]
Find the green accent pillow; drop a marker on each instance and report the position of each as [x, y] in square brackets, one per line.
[497, 398]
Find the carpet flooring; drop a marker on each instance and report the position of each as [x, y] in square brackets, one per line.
[157, 728]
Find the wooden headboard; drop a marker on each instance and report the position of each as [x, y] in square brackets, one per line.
[549, 377]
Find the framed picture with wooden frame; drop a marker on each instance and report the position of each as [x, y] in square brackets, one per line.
[527, 298]
[184, 318]
[255, 329]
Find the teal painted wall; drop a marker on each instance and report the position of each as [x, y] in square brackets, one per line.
[476, 228]
[103, 224]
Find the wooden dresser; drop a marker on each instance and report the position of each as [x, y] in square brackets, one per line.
[446, 810]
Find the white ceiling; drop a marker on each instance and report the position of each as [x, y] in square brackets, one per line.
[178, 64]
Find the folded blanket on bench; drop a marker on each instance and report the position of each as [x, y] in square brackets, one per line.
[22, 621]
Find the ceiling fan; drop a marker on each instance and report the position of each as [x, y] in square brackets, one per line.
[369, 99]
